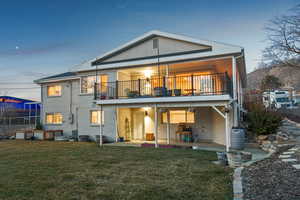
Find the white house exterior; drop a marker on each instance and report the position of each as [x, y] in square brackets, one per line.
[162, 87]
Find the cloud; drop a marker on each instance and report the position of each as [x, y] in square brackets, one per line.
[34, 50]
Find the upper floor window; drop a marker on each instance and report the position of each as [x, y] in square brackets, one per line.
[88, 83]
[179, 116]
[54, 90]
[54, 118]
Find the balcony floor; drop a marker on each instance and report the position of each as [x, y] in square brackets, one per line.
[179, 99]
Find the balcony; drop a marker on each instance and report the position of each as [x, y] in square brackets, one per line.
[172, 86]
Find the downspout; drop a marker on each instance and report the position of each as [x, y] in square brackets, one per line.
[71, 102]
[234, 80]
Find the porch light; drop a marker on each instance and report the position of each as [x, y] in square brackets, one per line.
[147, 73]
[146, 108]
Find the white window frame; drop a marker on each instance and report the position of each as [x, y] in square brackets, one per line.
[162, 119]
[86, 76]
[96, 124]
[54, 85]
[53, 113]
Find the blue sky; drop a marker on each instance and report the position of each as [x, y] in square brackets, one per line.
[41, 38]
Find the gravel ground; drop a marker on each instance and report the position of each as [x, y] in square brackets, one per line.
[272, 179]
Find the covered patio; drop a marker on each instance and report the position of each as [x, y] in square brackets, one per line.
[174, 124]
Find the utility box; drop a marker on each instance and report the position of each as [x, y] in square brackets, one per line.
[20, 135]
[237, 138]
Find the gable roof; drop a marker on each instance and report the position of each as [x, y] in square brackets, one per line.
[61, 76]
[212, 44]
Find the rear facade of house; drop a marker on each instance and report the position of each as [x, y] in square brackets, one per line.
[159, 88]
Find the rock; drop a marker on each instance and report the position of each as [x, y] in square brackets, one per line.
[266, 142]
[272, 137]
[262, 137]
[282, 138]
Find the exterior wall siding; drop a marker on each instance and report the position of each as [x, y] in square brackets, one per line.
[72, 103]
[166, 46]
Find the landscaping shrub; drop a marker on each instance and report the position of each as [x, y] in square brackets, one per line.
[261, 121]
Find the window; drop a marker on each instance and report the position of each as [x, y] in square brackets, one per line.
[54, 90]
[88, 83]
[179, 116]
[95, 117]
[282, 99]
[54, 118]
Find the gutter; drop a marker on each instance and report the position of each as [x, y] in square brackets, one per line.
[55, 80]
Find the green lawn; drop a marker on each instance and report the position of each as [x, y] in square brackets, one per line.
[62, 171]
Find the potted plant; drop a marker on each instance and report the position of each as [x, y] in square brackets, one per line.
[132, 94]
[177, 92]
[169, 93]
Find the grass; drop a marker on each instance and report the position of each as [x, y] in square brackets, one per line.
[62, 171]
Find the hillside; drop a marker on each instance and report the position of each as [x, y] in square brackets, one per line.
[289, 76]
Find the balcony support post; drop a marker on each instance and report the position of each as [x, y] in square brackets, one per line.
[95, 91]
[168, 127]
[117, 89]
[156, 125]
[101, 127]
[139, 86]
[192, 79]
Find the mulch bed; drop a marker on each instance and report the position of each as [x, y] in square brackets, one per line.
[271, 179]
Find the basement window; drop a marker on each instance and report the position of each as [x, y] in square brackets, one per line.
[95, 117]
[54, 118]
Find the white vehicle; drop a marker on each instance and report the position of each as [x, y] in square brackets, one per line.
[277, 99]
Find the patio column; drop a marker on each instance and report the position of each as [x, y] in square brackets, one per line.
[227, 131]
[156, 125]
[168, 127]
[116, 123]
[101, 128]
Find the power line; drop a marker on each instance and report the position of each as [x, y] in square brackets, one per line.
[16, 83]
[20, 88]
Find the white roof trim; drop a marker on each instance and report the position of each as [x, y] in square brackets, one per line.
[178, 58]
[56, 79]
[213, 44]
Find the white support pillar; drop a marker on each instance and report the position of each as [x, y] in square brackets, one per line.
[227, 132]
[101, 127]
[227, 129]
[156, 125]
[168, 127]
[116, 123]
[234, 87]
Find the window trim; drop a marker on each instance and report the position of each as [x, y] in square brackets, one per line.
[162, 120]
[80, 83]
[53, 113]
[53, 85]
[96, 124]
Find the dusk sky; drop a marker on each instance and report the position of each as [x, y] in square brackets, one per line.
[41, 38]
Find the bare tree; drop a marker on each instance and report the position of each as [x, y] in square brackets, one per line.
[284, 39]
[270, 82]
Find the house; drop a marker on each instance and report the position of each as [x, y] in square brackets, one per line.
[160, 87]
